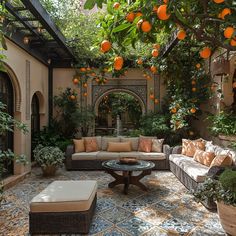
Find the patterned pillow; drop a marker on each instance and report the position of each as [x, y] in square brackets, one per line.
[91, 144]
[222, 160]
[79, 145]
[145, 145]
[204, 158]
[157, 145]
[189, 147]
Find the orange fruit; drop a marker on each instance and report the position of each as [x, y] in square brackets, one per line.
[75, 81]
[193, 110]
[162, 12]
[138, 14]
[93, 74]
[233, 42]
[85, 85]
[224, 12]
[72, 97]
[193, 82]
[88, 69]
[151, 96]
[198, 65]
[85, 94]
[82, 69]
[139, 61]
[105, 45]
[146, 26]
[97, 80]
[194, 89]
[153, 69]
[116, 5]
[130, 17]
[181, 35]
[156, 101]
[155, 52]
[205, 52]
[173, 110]
[118, 63]
[228, 32]
[148, 77]
[156, 46]
[218, 1]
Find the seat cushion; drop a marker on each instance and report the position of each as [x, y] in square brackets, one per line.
[194, 169]
[152, 156]
[84, 156]
[105, 141]
[65, 196]
[103, 155]
[134, 142]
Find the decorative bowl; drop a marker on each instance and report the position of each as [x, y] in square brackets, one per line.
[128, 160]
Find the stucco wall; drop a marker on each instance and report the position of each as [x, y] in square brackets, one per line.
[28, 76]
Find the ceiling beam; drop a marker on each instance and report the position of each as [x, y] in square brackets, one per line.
[23, 18]
[35, 7]
[20, 9]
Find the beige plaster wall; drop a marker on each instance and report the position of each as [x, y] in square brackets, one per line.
[38, 82]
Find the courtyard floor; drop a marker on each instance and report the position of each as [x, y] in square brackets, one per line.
[166, 209]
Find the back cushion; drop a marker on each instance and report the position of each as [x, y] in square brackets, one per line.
[91, 144]
[105, 141]
[99, 141]
[119, 147]
[189, 147]
[204, 158]
[222, 160]
[79, 145]
[157, 145]
[145, 145]
[134, 142]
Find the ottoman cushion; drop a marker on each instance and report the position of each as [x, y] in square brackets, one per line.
[65, 196]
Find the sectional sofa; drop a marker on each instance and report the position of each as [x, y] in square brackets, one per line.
[93, 160]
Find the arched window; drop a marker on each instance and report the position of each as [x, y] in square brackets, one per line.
[6, 97]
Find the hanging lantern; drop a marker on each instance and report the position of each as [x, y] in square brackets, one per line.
[26, 40]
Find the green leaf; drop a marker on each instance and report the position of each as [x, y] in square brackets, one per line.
[121, 27]
[89, 4]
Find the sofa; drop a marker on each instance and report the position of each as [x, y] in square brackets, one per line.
[92, 160]
[191, 172]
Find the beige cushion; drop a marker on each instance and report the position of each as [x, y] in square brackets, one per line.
[105, 141]
[134, 142]
[222, 160]
[119, 147]
[65, 196]
[129, 154]
[194, 169]
[79, 145]
[189, 147]
[104, 155]
[151, 156]
[84, 156]
[157, 145]
[203, 157]
[99, 141]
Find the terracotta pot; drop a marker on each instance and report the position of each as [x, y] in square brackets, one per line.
[49, 170]
[227, 215]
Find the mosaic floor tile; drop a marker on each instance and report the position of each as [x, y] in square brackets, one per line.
[114, 232]
[98, 225]
[158, 232]
[135, 226]
[213, 224]
[166, 205]
[176, 225]
[134, 205]
[104, 204]
[200, 231]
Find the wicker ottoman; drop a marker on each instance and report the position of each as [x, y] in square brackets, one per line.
[63, 207]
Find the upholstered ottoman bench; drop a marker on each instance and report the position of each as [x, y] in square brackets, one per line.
[63, 207]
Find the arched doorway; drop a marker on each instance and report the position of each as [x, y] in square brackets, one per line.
[6, 97]
[35, 119]
[117, 105]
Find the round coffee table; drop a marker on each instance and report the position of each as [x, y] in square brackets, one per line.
[126, 177]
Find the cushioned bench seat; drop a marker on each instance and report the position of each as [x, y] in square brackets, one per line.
[63, 207]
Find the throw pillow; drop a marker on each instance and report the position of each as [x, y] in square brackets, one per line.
[145, 145]
[157, 145]
[91, 144]
[119, 147]
[99, 141]
[189, 147]
[105, 141]
[79, 145]
[222, 160]
[204, 158]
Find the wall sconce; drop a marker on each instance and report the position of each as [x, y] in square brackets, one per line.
[39, 30]
[26, 40]
[49, 61]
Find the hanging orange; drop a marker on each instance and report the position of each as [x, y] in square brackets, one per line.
[75, 81]
[173, 110]
[193, 110]
[72, 97]
[153, 69]
[156, 46]
[198, 65]
[105, 45]
[181, 35]
[116, 5]
[93, 74]
[228, 32]
[194, 89]
[218, 1]
[82, 69]
[224, 13]
[85, 85]
[138, 14]
[233, 42]
[205, 53]
[139, 61]
[118, 63]
[155, 52]
[85, 94]
[193, 82]
[146, 26]
[130, 17]
[156, 101]
[162, 12]
[151, 96]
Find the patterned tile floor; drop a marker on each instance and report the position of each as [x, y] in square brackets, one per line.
[166, 209]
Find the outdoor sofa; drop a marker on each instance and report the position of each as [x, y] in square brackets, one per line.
[93, 160]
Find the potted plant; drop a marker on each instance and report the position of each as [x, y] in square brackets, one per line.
[49, 158]
[223, 191]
